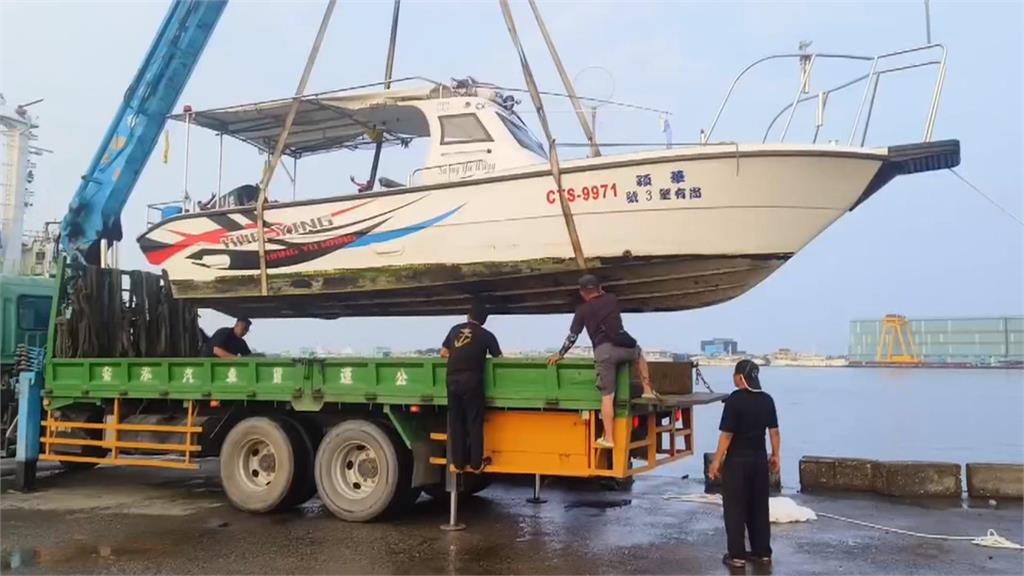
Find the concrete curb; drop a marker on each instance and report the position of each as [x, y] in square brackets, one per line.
[995, 480]
[896, 478]
[919, 479]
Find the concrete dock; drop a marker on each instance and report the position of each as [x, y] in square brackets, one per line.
[146, 521]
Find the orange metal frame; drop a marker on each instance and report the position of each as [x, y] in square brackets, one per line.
[563, 443]
[112, 428]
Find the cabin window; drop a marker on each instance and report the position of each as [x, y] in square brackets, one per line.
[463, 129]
[523, 136]
[33, 312]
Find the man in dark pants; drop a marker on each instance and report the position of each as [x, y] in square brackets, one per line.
[747, 414]
[466, 348]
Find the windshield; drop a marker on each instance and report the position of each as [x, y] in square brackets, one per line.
[522, 135]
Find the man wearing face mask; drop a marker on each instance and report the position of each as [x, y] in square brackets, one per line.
[747, 414]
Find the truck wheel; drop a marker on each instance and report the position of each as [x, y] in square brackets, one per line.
[303, 484]
[257, 464]
[360, 471]
[92, 417]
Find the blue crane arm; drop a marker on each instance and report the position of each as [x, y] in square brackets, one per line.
[95, 210]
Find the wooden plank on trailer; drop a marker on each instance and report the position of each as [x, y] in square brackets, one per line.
[681, 400]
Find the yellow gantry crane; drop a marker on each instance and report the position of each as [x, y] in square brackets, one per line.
[895, 328]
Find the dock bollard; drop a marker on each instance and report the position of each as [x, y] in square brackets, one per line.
[536, 499]
[453, 524]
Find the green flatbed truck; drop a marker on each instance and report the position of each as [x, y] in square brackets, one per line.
[366, 435]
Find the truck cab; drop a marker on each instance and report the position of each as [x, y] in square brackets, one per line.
[25, 303]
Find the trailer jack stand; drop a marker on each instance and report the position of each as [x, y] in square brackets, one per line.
[536, 499]
[453, 524]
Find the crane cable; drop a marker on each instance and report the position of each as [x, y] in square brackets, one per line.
[556, 172]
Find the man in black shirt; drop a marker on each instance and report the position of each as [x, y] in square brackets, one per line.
[748, 412]
[229, 342]
[601, 316]
[466, 347]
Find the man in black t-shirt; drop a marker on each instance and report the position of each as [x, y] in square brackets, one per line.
[466, 347]
[229, 342]
[747, 414]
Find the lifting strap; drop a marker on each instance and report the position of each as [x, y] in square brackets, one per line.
[569, 89]
[268, 172]
[556, 172]
[388, 67]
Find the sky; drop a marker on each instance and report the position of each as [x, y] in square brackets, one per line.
[925, 246]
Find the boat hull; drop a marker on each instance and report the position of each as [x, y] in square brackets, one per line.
[530, 287]
[672, 230]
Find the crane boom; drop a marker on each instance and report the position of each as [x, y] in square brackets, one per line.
[95, 210]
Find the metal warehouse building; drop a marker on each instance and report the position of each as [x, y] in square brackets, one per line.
[984, 341]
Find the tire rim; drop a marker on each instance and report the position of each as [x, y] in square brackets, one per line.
[257, 463]
[355, 470]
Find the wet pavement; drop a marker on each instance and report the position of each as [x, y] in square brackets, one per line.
[119, 520]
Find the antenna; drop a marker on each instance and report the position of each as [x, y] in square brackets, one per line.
[927, 22]
[603, 95]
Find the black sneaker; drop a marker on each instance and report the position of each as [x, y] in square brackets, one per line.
[733, 562]
[760, 560]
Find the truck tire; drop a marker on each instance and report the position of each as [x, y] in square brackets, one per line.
[362, 471]
[257, 464]
[303, 484]
[92, 417]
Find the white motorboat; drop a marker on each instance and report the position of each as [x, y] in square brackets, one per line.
[668, 229]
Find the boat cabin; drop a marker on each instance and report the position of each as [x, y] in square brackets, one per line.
[473, 130]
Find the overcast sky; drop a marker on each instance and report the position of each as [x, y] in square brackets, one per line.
[926, 245]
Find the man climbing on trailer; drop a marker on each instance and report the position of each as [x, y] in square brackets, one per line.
[229, 342]
[601, 315]
[466, 347]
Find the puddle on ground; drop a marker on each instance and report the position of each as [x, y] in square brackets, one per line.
[71, 554]
[598, 504]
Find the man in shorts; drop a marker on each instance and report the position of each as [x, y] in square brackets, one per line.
[601, 315]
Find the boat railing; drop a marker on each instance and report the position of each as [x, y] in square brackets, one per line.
[160, 211]
[879, 66]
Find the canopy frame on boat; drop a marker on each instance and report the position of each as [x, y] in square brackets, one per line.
[326, 121]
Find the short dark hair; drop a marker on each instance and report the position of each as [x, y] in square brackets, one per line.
[245, 321]
[589, 282]
[478, 312]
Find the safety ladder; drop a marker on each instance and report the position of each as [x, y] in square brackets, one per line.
[441, 460]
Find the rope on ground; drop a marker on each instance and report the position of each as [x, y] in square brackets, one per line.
[990, 540]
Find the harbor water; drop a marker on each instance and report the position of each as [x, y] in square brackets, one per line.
[949, 415]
